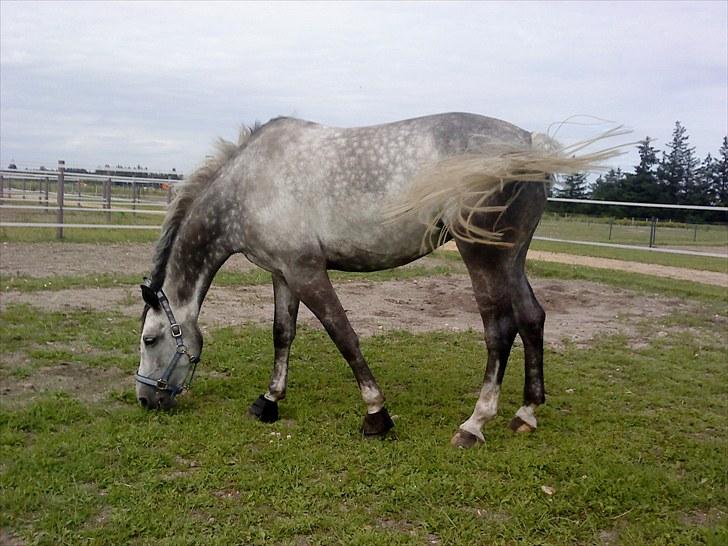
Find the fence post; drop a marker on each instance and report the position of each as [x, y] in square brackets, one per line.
[133, 196]
[2, 188]
[24, 187]
[695, 233]
[107, 198]
[47, 188]
[169, 193]
[59, 198]
[78, 189]
[653, 230]
[611, 221]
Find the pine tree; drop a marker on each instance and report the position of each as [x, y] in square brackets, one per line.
[642, 185]
[677, 168]
[648, 158]
[704, 192]
[574, 186]
[607, 187]
[719, 186]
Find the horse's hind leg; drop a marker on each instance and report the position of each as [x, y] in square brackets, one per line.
[265, 407]
[530, 318]
[490, 269]
[314, 289]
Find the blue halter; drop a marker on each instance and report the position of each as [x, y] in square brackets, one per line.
[163, 384]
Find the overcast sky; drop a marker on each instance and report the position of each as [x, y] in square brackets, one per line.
[155, 83]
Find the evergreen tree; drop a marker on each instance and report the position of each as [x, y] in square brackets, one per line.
[703, 190]
[642, 186]
[574, 186]
[719, 186]
[677, 168]
[607, 187]
[648, 158]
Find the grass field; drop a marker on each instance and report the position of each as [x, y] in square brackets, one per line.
[632, 441]
[633, 233]
[705, 263]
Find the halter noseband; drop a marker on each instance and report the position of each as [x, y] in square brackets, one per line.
[163, 384]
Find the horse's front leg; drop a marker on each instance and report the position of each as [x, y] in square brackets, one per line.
[314, 289]
[265, 407]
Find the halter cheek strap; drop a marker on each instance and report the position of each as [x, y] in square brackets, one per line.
[163, 384]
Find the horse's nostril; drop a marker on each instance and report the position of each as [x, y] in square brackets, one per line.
[144, 401]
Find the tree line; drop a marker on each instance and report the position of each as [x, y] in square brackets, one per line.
[675, 176]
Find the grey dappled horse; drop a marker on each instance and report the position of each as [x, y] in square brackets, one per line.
[298, 198]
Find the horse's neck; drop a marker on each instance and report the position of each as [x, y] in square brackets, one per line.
[200, 249]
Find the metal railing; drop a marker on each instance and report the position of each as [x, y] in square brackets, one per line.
[130, 195]
[127, 194]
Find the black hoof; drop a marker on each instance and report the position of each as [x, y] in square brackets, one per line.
[264, 410]
[376, 425]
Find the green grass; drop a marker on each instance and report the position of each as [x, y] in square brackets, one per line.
[584, 228]
[23, 283]
[632, 281]
[622, 279]
[78, 235]
[634, 443]
[631, 255]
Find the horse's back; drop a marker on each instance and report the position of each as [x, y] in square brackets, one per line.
[306, 185]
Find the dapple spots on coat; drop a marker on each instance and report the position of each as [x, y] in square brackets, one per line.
[299, 198]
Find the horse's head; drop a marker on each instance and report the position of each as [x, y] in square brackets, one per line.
[170, 351]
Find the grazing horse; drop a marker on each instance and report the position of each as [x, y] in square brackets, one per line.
[298, 198]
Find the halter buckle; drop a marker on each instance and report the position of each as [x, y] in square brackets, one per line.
[162, 384]
[176, 330]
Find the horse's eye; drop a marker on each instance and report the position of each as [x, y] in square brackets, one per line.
[149, 340]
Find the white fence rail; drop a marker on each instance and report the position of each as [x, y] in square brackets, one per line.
[127, 194]
[14, 190]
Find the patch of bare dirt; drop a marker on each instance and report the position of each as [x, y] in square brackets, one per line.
[80, 259]
[7, 538]
[700, 518]
[680, 273]
[80, 381]
[577, 311]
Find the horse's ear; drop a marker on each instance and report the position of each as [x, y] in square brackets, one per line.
[149, 296]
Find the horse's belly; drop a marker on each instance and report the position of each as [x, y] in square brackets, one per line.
[372, 247]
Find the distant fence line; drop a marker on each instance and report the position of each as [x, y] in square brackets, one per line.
[162, 187]
[643, 205]
[98, 203]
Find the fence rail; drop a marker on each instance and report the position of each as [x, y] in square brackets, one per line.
[49, 191]
[130, 194]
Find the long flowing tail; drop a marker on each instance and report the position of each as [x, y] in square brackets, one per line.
[448, 195]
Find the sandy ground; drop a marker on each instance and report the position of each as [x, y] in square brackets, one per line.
[48, 259]
[704, 277]
[577, 311]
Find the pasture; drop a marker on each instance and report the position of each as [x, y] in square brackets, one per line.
[632, 445]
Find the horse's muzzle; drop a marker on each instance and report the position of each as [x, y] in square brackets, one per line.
[152, 399]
